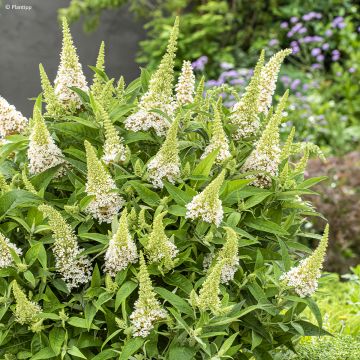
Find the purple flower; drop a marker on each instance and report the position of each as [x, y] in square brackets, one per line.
[317, 38]
[200, 63]
[293, 19]
[337, 20]
[315, 52]
[290, 34]
[341, 25]
[226, 66]
[325, 46]
[284, 25]
[237, 82]
[328, 33]
[320, 58]
[316, 66]
[285, 80]
[358, 29]
[211, 83]
[273, 42]
[295, 84]
[230, 73]
[302, 30]
[296, 28]
[335, 55]
[352, 70]
[295, 49]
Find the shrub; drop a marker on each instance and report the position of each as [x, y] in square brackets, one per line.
[136, 222]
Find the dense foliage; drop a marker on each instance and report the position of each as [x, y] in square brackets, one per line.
[141, 223]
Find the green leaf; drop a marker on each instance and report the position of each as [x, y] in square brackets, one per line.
[106, 354]
[179, 196]
[205, 165]
[17, 198]
[36, 251]
[131, 347]
[125, 290]
[266, 226]
[96, 277]
[80, 323]
[44, 353]
[73, 350]
[175, 300]
[181, 353]
[148, 196]
[234, 185]
[56, 339]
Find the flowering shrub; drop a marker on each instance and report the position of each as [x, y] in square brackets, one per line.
[139, 223]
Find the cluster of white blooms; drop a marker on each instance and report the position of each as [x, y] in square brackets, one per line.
[5, 253]
[42, 153]
[218, 139]
[113, 152]
[145, 119]
[147, 309]
[228, 270]
[207, 205]
[122, 249]
[185, 88]
[143, 318]
[160, 169]
[304, 277]
[69, 73]
[268, 79]
[107, 202]
[208, 259]
[75, 269]
[11, 120]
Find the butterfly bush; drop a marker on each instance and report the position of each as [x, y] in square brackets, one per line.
[149, 220]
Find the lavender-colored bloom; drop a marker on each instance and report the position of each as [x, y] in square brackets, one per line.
[352, 70]
[293, 19]
[306, 39]
[285, 80]
[335, 55]
[325, 46]
[226, 66]
[317, 38]
[302, 30]
[230, 73]
[284, 25]
[290, 34]
[297, 27]
[358, 29]
[305, 87]
[273, 42]
[200, 63]
[295, 84]
[315, 52]
[316, 66]
[295, 49]
[337, 20]
[341, 25]
[320, 58]
[328, 33]
[237, 82]
[307, 17]
[212, 83]
[318, 16]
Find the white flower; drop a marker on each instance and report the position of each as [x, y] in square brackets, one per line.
[228, 271]
[5, 253]
[11, 120]
[158, 170]
[185, 88]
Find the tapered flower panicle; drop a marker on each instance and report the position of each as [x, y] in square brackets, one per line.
[304, 277]
[120, 89]
[265, 158]
[185, 88]
[245, 112]
[147, 309]
[199, 94]
[230, 257]
[69, 74]
[4, 186]
[114, 149]
[286, 149]
[6, 246]
[159, 247]
[208, 298]
[11, 120]
[207, 206]
[122, 249]
[53, 106]
[107, 202]
[98, 82]
[43, 153]
[160, 94]
[268, 79]
[26, 311]
[218, 139]
[74, 268]
[166, 163]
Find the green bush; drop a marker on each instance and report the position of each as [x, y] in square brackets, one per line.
[139, 223]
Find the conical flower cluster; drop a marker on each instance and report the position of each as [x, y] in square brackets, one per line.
[74, 268]
[160, 94]
[208, 298]
[122, 249]
[286, 149]
[53, 106]
[230, 257]
[147, 309]
[11, 120]
[6, 246]
[69, 74]
[26, 311]
[245, 112]
[218, 139]
[107, 202]
[185, 88]
[159, 248]
[4, 186]
[114, 149]
[43, 153]
[207, 206]
[98, 82]
[166, 163]
[265, 158]
[268, 79]
[304, 277]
